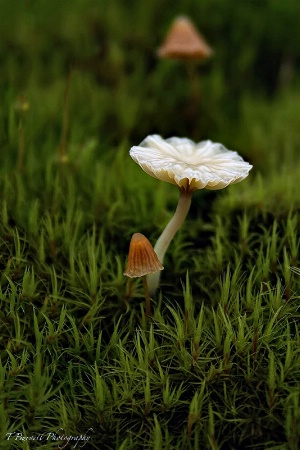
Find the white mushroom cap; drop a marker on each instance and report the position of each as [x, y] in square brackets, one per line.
[190, 165]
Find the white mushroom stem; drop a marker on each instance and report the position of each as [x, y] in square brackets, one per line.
[167, 235]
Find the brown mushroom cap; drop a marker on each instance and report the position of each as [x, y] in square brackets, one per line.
[184, 42]
[142, 258]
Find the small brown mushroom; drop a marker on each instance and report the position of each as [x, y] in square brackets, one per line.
[142, 260]
[184, 42]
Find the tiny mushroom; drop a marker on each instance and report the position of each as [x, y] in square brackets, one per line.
[184, 42]
[190, 166]
[142, 260]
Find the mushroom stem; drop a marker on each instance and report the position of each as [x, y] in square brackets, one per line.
[167, 235]
[147, 297]
[193, 80]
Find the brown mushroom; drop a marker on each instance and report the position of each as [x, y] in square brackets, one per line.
[142, 260]
[184, 42]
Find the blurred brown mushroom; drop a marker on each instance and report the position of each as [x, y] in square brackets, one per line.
[142, 260]
[184, 42]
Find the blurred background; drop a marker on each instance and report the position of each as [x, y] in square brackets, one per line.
[120, 89]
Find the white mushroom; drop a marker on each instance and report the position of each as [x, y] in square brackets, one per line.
[190, 166]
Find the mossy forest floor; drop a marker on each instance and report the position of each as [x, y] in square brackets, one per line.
[218, 364]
